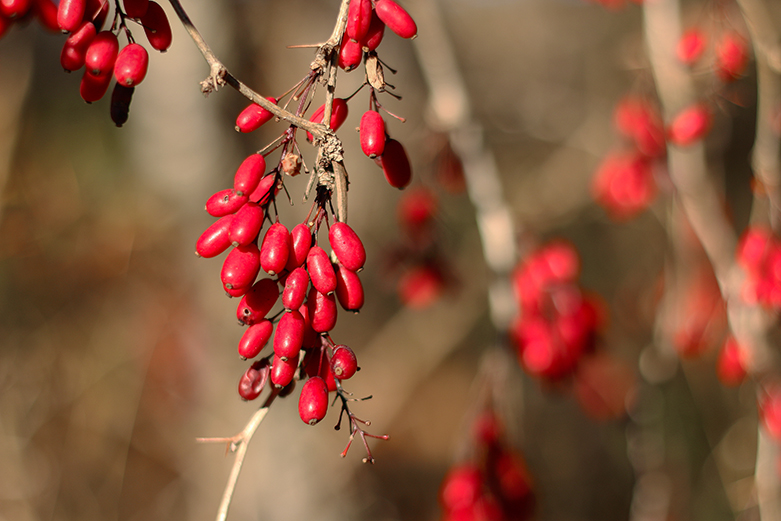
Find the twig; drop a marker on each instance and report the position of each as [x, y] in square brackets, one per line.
[238, 444]
[220, 76]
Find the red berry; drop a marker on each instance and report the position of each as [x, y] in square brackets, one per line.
[349, 290]
[156, 27]
[96, 12]
[249, 174]
[263, 193]
[313, 402]
[274, 250]
[311, 337]
[296, 285]
[70, 13]
[225, 202]
[254, 116]
[93, 88]
[215, 239]
[14, 9]
[131, 65]
[102, 54]
[321, 271]
[316, 363]
[322, 311]
[252, 381]
[420, 286]
[691, 46]
[374, 34]
[246, 224]
[461, 487]
[350, 55]
[690, 125]
[299, 244]
[624, 184]
[136, 8]
[289, 336]
[731, 365]
[75, 48]
[338, 115]
[255, 338]
[416, 209]
[343, 362]
[359, 16]
[46, 12]
[372, 132]
[257, 302]
[347, 246]
[395, 164]
[639, 120]
[241, 266]
[396, 18]
[731, 56]
[283, 371]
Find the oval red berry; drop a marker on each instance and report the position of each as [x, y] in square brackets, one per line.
[246, 224]
[343, 362]
[349, 290]
[299, 244]
[70, 13]
[372, 133]
[255, 338]
[296, 285]
[395, 164]
[313, 401]
[396, 18]
[102, 54]
[289, 336]
[131, 65]
[347, 246]
[215, 239]
[274, 250]
[225, 202]
[254, 116]
[254, 378]
[258, 301]
[321, 271]
[241, 266]
[156, 27]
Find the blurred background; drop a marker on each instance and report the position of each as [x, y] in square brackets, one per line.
[119, 345]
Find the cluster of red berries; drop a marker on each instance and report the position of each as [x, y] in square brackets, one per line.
[295, 260]
[625, 182]
[98, 51]
[557, 323]
[20, 11]
[494, 485]
[730, 53]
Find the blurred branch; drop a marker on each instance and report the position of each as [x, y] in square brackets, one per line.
[766, 41]
[239, 444]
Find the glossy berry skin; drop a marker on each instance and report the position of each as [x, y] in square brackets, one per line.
[395, 164]
[93, 88]
[313, 402]
[241, 266]
[338, 115]
[254, 116]
[690, 125]
[350, 55]
[136, 8]
[274, 250]
[75, 48]
[372, 133]
[246, 224]
[249, 174]
[102, 54]
[257, 302]
[215, 239]
[396, 18]
[289, 336]
[255, 338]
[225, 202]
[70, 14]
[374, 35]
[349, 290]
[156, 27]
[283, 371]
[322, 311]
[299, 244]
[253, 380]
[131, 65]
[296, 285]
[359, 16]
[347, 246]
[262, 194]
[343, 362]
[321, 271]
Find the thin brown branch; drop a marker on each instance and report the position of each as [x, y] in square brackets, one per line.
[239, 445]
[220, 76]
